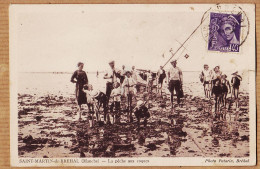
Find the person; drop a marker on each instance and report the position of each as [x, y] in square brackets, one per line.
[122, 74]
[149, 85]
[134, 73]
[88, 89]
[217, 91]
[141, 111]
[81, 80]
[228, 26]
[235, 82]
[161, 76]
[216, 75]
[134, 76]
[112, 75]
[175, 80]
[97, 74]
[100, 100]
[130, 91]
[206, 77]
[115, 107]
[225, 89]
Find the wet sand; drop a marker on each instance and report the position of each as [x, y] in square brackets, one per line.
[49, 128]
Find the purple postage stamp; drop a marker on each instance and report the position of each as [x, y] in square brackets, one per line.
[224, 32]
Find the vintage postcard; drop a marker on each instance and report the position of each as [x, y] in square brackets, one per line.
[133, 85]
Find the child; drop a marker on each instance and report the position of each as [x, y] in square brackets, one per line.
[116, 95]
[160, 76]
[225, 88]
[129, 90]
[205, 78]
[216, 75]
[149, 81]
[100, 99]
[141, 111]
[235, 82]
[217, 91]
[90, 101]
[88, 89]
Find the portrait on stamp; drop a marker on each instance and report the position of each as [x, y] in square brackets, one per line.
[224, 32]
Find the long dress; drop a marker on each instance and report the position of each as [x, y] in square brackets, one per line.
[82, 79]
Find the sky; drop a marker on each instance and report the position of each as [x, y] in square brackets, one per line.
[47, 38]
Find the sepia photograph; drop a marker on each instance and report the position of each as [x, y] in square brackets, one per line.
[133, 85]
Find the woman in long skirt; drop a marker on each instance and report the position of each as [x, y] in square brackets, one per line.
[81, 80]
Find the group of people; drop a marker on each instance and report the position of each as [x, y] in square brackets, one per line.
[122, 84]
[119, 84]
[174, 79]
[216, 84]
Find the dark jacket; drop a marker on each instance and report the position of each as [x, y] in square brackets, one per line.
[80, 76]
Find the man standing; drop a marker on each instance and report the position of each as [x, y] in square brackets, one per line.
[112, 76]
[175, 80]
[206, 76]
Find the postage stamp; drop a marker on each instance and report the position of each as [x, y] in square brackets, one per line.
[224, 32]
[132, 85]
